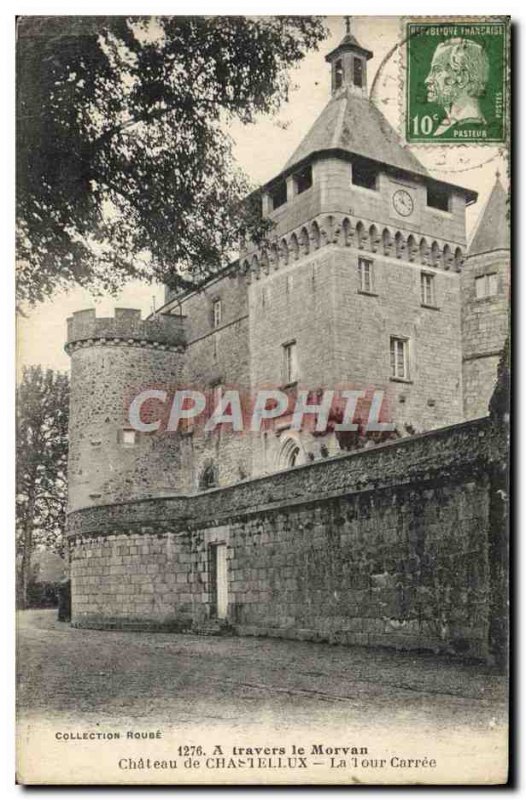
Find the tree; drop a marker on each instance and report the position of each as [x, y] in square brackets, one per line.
[41, 469]
[124, 168]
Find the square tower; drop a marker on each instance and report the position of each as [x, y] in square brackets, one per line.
[361, 272]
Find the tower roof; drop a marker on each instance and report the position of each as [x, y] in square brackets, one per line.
[492, 232]
[356, 125]
[349, 42]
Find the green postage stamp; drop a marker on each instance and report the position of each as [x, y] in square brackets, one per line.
[456, 88]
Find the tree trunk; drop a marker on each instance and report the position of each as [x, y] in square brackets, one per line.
[25, 571]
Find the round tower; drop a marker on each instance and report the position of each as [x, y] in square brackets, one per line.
[112, 361]
[127, 568]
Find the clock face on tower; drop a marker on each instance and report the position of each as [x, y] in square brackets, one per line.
[403, 203]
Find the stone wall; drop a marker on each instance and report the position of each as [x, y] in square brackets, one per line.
[342, 335]
[385, 547]
[218, 357]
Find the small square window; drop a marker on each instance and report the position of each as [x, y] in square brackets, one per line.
[427, 288]
[492, 284]
[399, 358]
[486, 286]
[128, 438]
[365, 275]
[438, 197]
[290, 363]
[303, 180]
[278, 195]
[217, 313]
[364, 174]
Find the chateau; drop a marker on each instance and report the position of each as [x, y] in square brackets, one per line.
[366, 282]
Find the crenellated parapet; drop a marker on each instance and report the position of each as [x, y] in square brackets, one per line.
[163, 331]
[348, 231]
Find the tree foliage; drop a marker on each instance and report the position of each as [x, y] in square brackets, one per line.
[41, 468]
[124, 168]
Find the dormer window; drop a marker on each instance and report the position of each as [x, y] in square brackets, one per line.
[338, 74]
[438, 197]
[357, 72]
[303, 180]
[364, 174]
[278, 195]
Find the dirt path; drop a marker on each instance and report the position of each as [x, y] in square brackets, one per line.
[162, 677]
[90, 703]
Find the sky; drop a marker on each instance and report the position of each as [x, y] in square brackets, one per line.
[262, 149]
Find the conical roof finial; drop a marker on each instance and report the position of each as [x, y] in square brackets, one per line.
[347, 25]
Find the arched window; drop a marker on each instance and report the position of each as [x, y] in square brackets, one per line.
[293, 456]
[208, 478]
[338, 74]
[291, 453]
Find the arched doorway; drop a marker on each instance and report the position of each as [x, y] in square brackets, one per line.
[291, 453]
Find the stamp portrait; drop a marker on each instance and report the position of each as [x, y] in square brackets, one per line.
[455, 88]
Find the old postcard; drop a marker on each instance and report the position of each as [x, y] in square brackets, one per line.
[263, 400]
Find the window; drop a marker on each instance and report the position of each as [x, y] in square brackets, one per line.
[365, 275]
[293, 456]
[364, 174]
[486, 286]
[438, 197]
[217, 313]
[208, 478]
[290, 364]
[399, 358]
[278, 195]
[427, 289]
[128, 438]
[357, 72]
[338, 74]
[303, 180]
